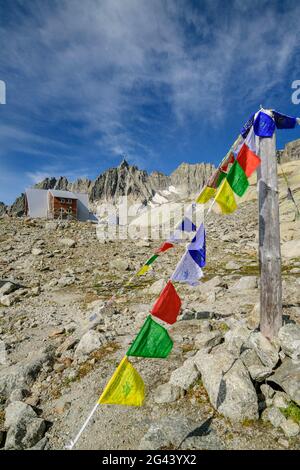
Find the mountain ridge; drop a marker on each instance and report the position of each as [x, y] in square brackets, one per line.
[138, 185]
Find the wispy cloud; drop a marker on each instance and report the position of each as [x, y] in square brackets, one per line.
[123, 74]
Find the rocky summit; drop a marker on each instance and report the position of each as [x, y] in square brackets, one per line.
[224, 385]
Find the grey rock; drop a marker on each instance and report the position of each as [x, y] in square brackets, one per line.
[17, 411]
[43, 444]
[18, 394]
[245, 282]
[290, 428]
[259, 373]
[24, 373]
[235, 339]
[186, 375]
[208, 339]
[228, 384]
[275, 416]
[187, 315]
[209, 441]
[289, 337]
[287, 376]
[25, 434]
[36, 251]
[167, 393]
[8, 288]
[90, 341]
[267, 391]
[68, 242]
[169, 431]
[281, 400]
[265, 350]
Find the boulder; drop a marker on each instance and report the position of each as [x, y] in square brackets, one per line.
[265, 350]
[25, 434]
[290, 428]
[186, 375]
[17, 411]
[24, 373]
[245, 283]
[36, 251]
[228, 384]
[289, 338]
[259, 373]
[287, 376]
[90, 341]
[208, 339]
[168, 432]
[235, 339]
[68, 242]
[281, 400]
[167, 393]
[274, 416]
[7, 288]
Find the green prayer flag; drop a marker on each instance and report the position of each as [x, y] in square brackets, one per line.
[237, 179]
[153, 340]
[221, 176]
[150, 260]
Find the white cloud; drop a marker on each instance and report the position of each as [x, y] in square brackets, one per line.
[103, 62]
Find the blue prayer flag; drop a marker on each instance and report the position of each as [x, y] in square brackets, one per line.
[283, 121]
[264, 125]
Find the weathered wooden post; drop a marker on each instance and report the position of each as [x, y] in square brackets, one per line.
[269, 240]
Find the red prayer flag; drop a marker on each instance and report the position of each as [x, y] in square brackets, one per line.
[248, 160]
[164, 247]
[168, 305]
[227, 161]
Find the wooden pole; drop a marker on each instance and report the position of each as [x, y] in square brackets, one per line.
[269, 241]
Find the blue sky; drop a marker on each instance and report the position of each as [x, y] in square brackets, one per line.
[164, 81]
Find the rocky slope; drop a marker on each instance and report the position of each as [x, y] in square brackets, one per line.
[55, 361]
[290, 152]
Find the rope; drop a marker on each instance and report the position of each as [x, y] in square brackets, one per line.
[289, 189]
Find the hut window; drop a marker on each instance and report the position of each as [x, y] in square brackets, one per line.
[62, 200]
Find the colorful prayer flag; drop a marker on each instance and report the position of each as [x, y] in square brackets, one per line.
[206, 194]
[150, 260]
[222, 175]
[248, 160]
[164, 247]
[186, 225]
[187, 270]
[167, 306]
[247, 126]
[125, 387]
[225, 198]
[143, 270]
[229, 159]
[283, 121]
[153, 340]
[264, 125]
[237, 179]
[215, 180]
[197, 247]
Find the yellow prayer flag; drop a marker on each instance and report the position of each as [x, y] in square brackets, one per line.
[126, 387]
[225, 198]
[143, 270]
[206, 194]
